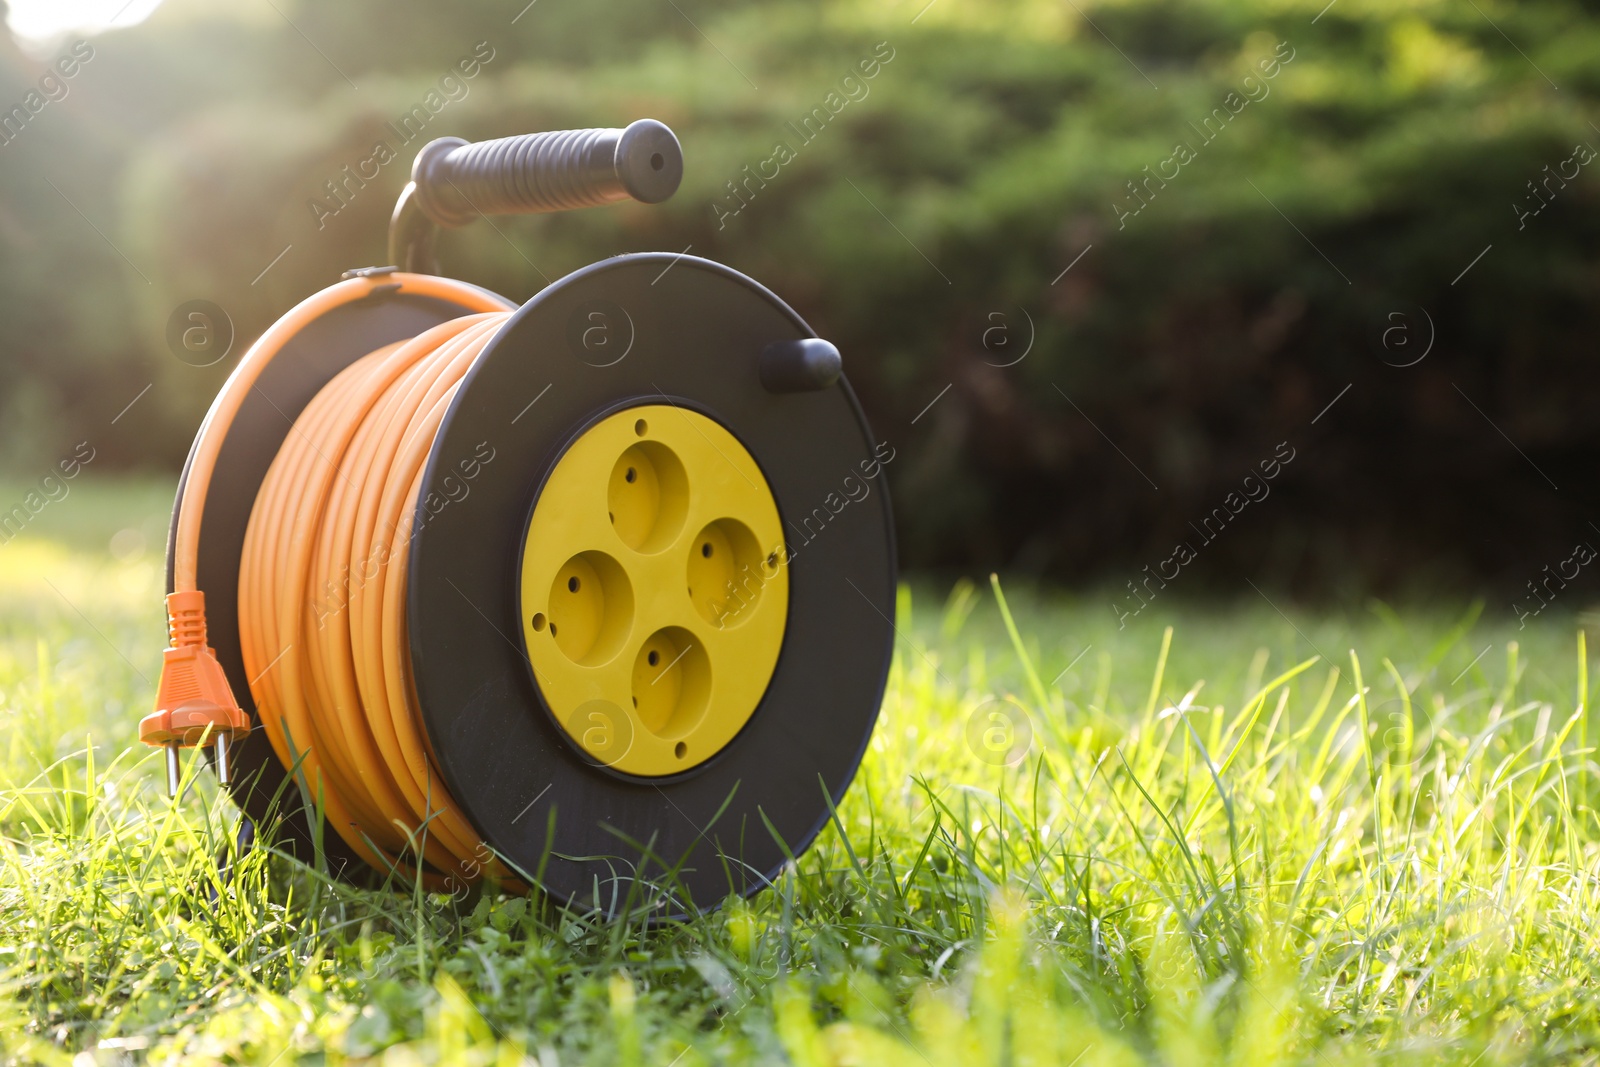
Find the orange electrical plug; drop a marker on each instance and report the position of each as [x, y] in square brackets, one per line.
[194, 696]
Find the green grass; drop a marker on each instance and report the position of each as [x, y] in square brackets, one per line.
[1261, 869]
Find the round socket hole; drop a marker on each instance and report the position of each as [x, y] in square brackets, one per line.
[590, 611]
[648, 496]
[538, 623]
[671, 683]
[725, 573]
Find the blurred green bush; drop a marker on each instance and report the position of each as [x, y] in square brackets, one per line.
[1220, 302]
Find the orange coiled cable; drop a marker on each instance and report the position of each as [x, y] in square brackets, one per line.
[322, 601]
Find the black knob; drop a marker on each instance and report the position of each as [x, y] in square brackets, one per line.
[800, 366]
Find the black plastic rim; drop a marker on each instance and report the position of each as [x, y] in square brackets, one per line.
[688, 331]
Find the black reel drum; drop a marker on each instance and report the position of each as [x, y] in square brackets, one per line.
[648, 580]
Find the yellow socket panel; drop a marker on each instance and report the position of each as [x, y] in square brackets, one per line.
[654, 589]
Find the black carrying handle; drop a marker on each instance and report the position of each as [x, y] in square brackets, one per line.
[454, 182]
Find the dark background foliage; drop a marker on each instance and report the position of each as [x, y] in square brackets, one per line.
[1323, 238]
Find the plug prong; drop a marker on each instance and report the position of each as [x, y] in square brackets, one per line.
[174, 770]
[222, 758]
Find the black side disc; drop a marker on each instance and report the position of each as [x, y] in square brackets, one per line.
[306, 363]
[672, 329]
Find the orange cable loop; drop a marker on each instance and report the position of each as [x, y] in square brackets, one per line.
[322, 597]
[323, 576]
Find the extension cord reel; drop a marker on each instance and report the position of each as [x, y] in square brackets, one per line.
[551, 595]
